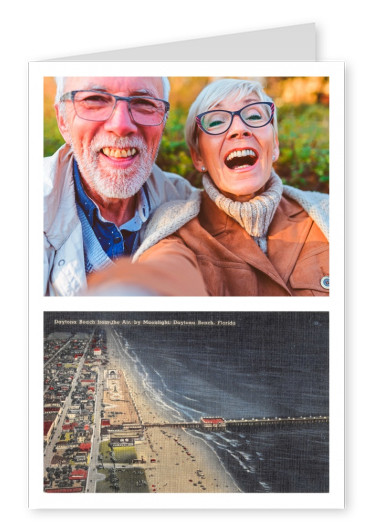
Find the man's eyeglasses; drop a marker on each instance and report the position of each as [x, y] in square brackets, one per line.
[98, 106]
[253, 115]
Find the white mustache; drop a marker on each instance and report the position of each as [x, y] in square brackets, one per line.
[102, 141]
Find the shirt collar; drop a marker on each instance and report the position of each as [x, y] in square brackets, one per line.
[141, 214]
[87, 205]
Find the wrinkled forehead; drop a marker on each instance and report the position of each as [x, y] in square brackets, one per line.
[125, 86]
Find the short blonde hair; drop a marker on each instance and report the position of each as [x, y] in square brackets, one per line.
[216, 92]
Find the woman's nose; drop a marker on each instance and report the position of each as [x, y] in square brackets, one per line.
[238, 128]
[120, 121]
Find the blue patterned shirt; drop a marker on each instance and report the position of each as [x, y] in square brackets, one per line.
[115, 241]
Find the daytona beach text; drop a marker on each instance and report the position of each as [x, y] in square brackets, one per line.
[143, 322]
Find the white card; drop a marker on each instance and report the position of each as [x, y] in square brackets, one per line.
[226, 56]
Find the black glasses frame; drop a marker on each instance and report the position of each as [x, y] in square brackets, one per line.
[235, 113]
[72, 94]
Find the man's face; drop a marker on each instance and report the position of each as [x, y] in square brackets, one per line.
[115, 157]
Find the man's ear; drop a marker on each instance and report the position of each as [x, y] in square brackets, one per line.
[197, 160]
[62, 125]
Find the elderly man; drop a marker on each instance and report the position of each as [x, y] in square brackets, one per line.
[102, 185]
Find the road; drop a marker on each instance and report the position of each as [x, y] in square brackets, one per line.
[93, 476]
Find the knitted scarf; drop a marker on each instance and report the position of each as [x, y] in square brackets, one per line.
[255, 215]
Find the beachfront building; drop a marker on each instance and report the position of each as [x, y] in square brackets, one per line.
[131, 431]
[213, 423]
[112, 374]
[122, 439]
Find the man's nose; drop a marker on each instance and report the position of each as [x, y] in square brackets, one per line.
[238, 128]
[120, 121]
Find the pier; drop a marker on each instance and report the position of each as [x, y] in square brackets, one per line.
[196, 425]
[240, 423]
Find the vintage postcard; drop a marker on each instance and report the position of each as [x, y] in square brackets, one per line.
[186, 402]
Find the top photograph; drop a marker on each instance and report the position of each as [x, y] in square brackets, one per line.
[186, 186]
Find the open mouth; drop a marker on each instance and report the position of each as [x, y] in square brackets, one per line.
[241, 158]
[116, 153]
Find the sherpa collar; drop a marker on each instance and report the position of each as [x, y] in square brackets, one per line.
[171, 216]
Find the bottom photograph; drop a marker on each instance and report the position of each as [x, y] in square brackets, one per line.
[186, 402]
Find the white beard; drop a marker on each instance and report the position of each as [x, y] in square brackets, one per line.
[115, 183]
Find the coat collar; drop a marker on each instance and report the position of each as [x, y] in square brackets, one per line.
[60, 215]
[287, 234]
[60, 212]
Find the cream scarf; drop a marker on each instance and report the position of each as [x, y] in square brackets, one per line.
[255, 215]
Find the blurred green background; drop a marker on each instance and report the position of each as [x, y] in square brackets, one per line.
[303, 127]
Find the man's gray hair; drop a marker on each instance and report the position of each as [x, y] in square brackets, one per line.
[60, 84]
[213, 94]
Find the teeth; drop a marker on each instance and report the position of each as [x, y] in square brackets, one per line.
[119, 153]
[241, 153]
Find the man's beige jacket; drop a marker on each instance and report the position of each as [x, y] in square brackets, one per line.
[64, 264]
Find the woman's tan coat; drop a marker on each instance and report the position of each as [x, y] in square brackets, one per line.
[213, 255]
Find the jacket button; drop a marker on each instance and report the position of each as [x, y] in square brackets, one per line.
[325, 282]
[61, 262]
[117, 240]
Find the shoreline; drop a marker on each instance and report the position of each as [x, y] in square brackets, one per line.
[182, 462]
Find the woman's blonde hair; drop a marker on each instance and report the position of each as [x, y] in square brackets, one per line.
[216, 92]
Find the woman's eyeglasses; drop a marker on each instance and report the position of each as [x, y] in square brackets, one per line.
[254, 115]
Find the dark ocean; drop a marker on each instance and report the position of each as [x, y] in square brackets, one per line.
[270, 364]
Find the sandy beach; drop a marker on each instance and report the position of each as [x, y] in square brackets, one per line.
[176, 461]
[183, 463]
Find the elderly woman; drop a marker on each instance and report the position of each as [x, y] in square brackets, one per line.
[246, 233]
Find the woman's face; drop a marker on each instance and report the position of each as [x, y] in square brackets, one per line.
[219, 154]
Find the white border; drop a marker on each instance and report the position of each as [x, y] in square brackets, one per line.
[333, 304]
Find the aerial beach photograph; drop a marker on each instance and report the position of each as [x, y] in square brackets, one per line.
[186, 402]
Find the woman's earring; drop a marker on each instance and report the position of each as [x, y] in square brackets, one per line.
[203, 168]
